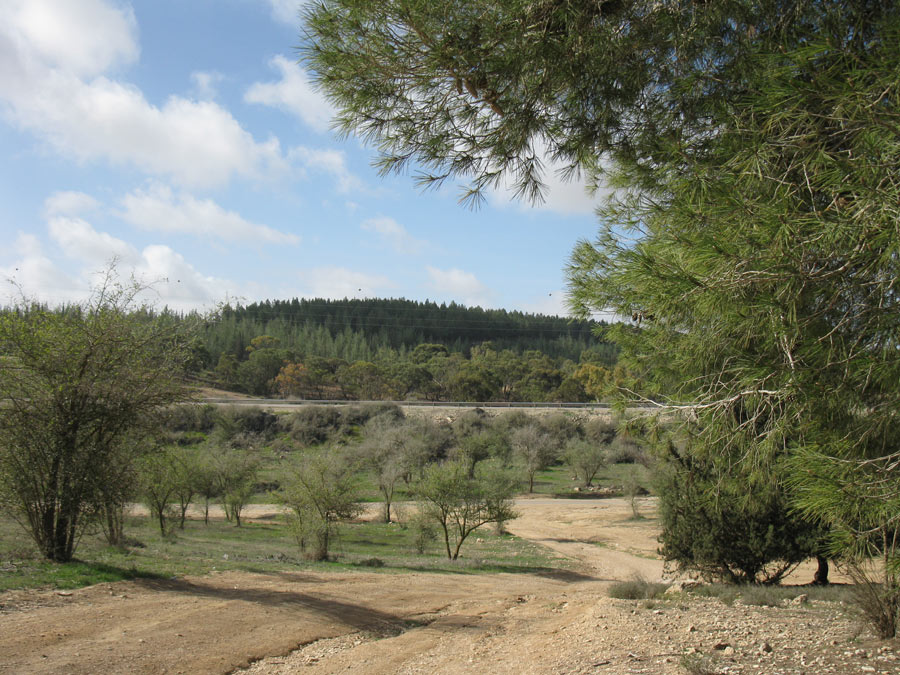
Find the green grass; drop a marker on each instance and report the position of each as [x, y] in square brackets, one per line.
[557, 480]
[256, 547]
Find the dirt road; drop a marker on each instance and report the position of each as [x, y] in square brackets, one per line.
[396, 623]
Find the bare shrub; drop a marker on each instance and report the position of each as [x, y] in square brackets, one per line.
[876, 600]
[637, 588]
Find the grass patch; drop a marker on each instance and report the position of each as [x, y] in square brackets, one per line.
[772, 596]
[637, 589]
[698, 664]
[256, 547]
[557, 480]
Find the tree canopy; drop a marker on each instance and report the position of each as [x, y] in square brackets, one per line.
[485, 90]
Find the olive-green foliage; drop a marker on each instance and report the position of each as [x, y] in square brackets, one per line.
[357, 415]
[206, 479]
[533, 449]
[460, 503]
[198, 418]
[236, 471]
[256, 374]
[235, 420]
[159, 484]
[561, 427]
[169, 477]
[388, 450]
[312, 425]
[75, 383]
[320, 490]
[626, 451]
[585, 458]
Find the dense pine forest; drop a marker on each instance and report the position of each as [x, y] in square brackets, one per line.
[402, 349]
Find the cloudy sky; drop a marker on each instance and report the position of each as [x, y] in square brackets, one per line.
[183, 138]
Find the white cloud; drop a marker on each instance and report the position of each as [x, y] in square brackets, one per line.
[157, 209]
[287, 11]
[197, 143]
[332, 162]
[568, 197]
[27, 245]
[560, 196]
[394, 234]
[84, 38]
[455, 284]
[35, 275]
[80, 241]
[293, 93]
[69, 203]
[171, 280]
[176, 283]
[340, 282]
[205, 84]
[59, 93]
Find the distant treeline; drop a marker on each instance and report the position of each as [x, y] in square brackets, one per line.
[358, 329]
[402, 349]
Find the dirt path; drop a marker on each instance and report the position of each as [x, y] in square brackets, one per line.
[415, 622]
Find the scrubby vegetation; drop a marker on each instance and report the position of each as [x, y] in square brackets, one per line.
[438, 482]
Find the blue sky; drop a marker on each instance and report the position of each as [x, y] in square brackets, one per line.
[183, 138]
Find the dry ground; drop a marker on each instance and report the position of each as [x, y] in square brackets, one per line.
[434, 623]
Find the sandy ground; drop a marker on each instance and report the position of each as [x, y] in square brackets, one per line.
[307, 622]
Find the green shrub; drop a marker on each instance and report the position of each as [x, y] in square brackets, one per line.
[235, 420]
[726, 523]
[371, 562]
[358, 415]
[624, 451]
[188, 417]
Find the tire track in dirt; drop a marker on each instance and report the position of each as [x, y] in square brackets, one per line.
[383, 623]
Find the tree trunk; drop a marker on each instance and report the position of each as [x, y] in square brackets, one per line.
[447, 541]
[821, 576]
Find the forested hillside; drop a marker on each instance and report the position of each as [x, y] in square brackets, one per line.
[399, 349]
[398, 324]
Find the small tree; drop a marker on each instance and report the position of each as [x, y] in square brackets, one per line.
[632, 489]
[159, 486]
[320, 491]
[534, 450]
[74, 382]
[187, 471]
[481, 445]
[236, 471]
[585, 458]
[207, 483]
[383, 451]
[121, 486]
[460, 504]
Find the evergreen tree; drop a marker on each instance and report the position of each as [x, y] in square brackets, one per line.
[752, 237]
